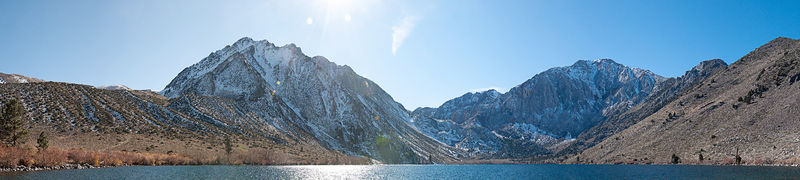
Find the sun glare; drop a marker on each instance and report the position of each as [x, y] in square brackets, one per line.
[340, 8]
[339, 4]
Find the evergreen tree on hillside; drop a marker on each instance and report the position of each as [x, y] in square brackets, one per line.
[228, 145]
[12, 123]
[41, 141]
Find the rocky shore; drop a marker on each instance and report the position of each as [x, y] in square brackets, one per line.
[61, 167]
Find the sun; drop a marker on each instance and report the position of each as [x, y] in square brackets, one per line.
[339, 4]
[338, 10]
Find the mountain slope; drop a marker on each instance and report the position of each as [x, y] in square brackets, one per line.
[539, 113]
[80, 116]
[16, 78]
[340, 109]
[665, 92]
[750, 107]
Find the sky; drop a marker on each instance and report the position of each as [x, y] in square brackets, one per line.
[422, 52]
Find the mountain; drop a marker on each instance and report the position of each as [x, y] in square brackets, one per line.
[16, 78]
[540, 114]
[664, 92]
[291, 92]
[80, 116]
[275, 103]
[748, 109]
[278, 104]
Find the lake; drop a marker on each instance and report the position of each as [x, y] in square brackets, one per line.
[537, 171]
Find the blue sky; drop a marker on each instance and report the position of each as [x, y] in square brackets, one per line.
[421, 52]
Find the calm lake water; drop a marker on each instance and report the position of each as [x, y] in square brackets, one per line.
[423, 172]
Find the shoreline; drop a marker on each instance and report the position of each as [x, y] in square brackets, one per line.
[25, 169]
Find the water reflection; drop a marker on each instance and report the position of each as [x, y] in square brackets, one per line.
[543, 171]
[330, 172]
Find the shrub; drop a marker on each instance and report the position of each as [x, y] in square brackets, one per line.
[701, 157]
[50, 157]
[257, 157]
[11, 157]
[675, 159]
[738, 159]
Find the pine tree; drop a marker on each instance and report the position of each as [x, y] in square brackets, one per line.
[228, 146]
[12, 131]
[41, 141]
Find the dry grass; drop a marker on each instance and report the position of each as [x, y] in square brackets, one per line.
[11, 157]
[14, 156]
[117, 158]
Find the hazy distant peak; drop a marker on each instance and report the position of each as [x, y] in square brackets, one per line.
[114, 87]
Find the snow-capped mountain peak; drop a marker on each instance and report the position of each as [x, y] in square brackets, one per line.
[557, 103]
[305, 95]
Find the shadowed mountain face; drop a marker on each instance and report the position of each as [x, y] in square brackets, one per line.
[750, 106]
[339, 108]
[539, 113]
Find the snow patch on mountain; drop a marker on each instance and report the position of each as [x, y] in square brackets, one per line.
[303, 95]
[545, 110]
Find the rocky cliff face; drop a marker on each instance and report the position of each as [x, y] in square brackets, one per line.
[664, 92]
[750, 107]
[285, 88]
[551, 107]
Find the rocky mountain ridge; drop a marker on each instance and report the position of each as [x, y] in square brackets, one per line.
[314, 111]
[664, 93]
[339, 108]
[748, 109]
[539, 114]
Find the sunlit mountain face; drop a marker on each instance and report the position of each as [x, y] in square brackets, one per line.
[296, 94]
